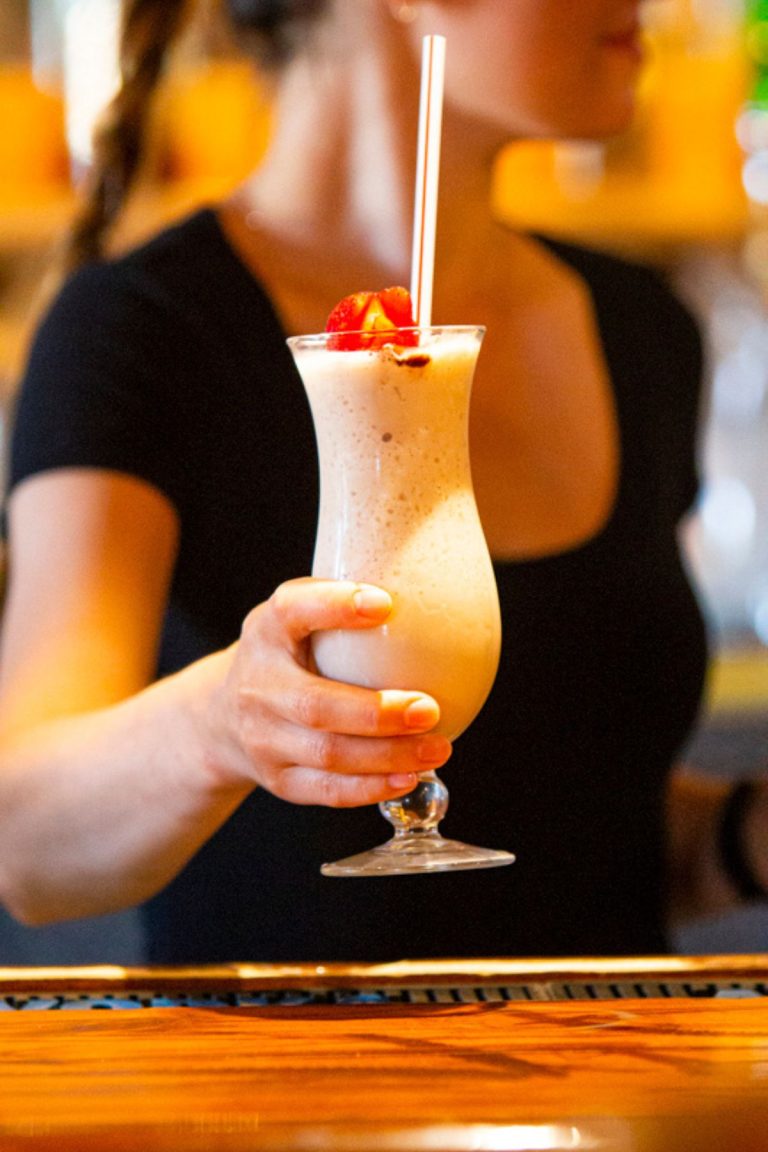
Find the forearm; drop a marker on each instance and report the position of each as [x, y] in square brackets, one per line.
[101, 809]
[699, 881]
[98, 811]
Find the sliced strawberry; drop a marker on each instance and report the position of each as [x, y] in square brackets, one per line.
[397, 304]
[348, 314]
[371, 320]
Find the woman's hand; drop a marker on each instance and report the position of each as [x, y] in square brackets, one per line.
[307, 739]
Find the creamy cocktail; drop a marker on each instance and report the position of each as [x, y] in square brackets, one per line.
[397, 509]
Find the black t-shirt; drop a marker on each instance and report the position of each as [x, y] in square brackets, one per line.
[170, 364]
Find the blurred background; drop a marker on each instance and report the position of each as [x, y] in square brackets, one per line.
[685, 189]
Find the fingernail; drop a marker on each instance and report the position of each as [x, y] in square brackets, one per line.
[402, 780]
[421, 713]
[433, 750]
[372, 601]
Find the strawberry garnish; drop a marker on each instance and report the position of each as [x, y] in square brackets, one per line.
[369, 320]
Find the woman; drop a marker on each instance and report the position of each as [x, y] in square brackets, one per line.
[163, 483]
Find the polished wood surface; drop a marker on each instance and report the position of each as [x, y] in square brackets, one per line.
[634, 1075]
[401, 973]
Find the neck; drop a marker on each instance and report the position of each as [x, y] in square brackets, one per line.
[338, 180]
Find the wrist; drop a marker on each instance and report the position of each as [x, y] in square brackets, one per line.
[221, 757]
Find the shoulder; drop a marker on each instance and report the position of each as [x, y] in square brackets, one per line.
[600, 267]
[654, 349]
[634, 299]
[182, 257]
[111, 329]
[162, 296]
[163, 269]
[102, 367]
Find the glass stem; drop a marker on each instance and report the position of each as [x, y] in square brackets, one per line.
[421, 810]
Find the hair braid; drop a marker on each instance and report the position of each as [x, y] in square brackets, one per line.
[148, 30]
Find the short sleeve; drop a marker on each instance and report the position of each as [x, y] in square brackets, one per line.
[90, 395]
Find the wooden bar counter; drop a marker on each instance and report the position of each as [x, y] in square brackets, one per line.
[452, 1056]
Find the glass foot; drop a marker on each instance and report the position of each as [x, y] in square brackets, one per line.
[417, 852]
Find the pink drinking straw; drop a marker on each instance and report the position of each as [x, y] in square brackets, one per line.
[427, 173]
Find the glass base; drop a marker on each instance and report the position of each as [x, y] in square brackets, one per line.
[420, 852]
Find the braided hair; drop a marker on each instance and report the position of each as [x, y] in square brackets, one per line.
[149, 28]
[269, 29]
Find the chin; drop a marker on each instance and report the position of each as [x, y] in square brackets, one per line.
[598, 119]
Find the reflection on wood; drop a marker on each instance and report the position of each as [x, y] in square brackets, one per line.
[639, 1076]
